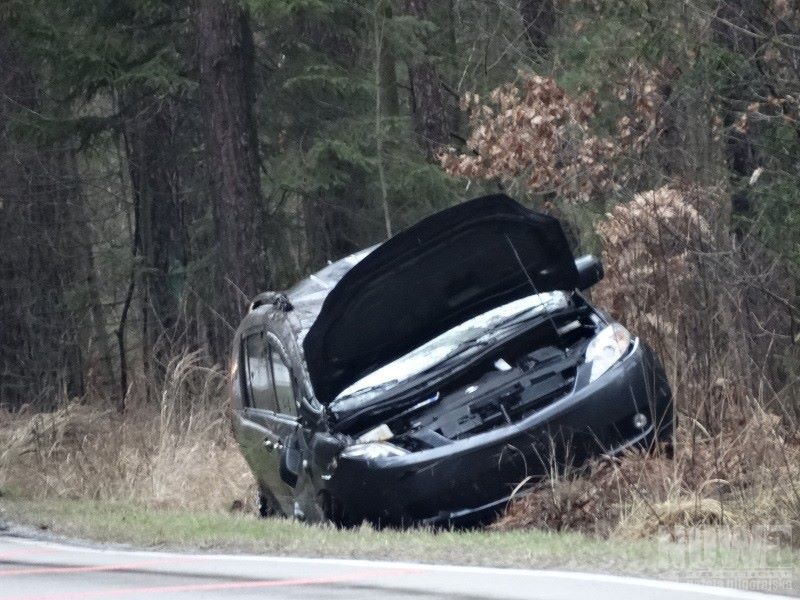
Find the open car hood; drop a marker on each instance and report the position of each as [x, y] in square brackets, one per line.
[449, 267]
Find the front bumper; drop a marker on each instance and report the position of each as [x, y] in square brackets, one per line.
[471, 478]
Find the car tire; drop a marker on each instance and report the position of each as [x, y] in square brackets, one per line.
[266, 507]
[332, 511]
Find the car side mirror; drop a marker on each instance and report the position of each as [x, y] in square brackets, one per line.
[590, 271]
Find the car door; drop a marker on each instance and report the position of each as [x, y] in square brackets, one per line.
[267, 419]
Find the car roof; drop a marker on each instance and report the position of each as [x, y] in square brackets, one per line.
[307, 295]
[327, 277]
[306, 298]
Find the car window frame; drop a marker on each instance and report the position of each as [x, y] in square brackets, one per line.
[248, 388]
[275, 345]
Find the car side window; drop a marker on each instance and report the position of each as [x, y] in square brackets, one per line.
[284, 388]
[260, 388]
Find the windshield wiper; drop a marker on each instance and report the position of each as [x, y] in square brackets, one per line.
[520, 318]
[371, 388]
[513, 321]
[460, 349]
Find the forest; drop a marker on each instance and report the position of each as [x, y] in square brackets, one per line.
[162, 161]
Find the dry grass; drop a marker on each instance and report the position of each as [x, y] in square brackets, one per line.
[716, 308]
[742, 479]
[174, 451]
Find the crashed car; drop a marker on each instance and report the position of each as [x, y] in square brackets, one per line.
[425, 379]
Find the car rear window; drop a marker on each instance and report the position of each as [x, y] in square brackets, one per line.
[260, 388]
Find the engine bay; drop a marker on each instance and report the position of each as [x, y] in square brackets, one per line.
[517, 378]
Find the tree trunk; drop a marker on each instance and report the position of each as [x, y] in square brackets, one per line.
[95, 339]
[736, 28]
[380, 52]
[388, 83]
[390, 102]
[538, 19]
[225, 48]
[153, 181]
[428, 97]
[40, 355]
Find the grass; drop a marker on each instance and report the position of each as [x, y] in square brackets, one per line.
[145, 527]
[167, 474]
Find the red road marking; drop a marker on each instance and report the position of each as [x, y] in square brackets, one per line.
[89, 569]
[25, 552]
[226, 585]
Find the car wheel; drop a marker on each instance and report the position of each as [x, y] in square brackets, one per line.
[332, 510]
[266, 507]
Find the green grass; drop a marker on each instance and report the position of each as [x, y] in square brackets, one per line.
[153, 528]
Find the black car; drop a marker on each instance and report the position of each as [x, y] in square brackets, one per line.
[423, 379]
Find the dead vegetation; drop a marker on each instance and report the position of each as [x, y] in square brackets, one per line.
[742, 478]
[686, 271]
[535, 131]
[715, 308]
[174, 451]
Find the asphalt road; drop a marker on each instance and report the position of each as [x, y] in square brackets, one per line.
[31, 569]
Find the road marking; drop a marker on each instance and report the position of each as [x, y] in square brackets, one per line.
[656, 584]
[224, 585]
[25, 552]
[92, 568]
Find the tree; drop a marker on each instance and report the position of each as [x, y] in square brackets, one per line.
[154, 179]
[538, 19]
[428, 97]
[738, 25]
[225, 54]
[40, 266]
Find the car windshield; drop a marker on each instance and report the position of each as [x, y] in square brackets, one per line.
[465, 335]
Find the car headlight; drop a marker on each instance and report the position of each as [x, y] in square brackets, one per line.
[370, 450]
[606, 348]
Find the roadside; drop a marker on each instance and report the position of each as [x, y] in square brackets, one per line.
[167, 479]
[158, 575]
[751, 564]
